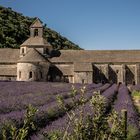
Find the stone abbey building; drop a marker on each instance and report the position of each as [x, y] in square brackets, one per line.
[33, 62]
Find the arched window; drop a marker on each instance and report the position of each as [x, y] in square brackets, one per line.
[23, 51]
[19, 74]
[36, 32]
[30, 74]
[117, 71]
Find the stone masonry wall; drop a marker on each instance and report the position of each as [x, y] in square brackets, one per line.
[39, 72]
[83, 77]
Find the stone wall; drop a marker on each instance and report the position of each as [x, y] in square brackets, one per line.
[43, 68]
[130, 73]
[8, 78]
[8, 72]
[32, 71]
[8, 66]
[83, 77]
[137, 74]
[100, 73]
[125, 73]
[61, 73]
[114, 73]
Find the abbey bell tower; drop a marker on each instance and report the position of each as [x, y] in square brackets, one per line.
[36, 40]
[36, 29]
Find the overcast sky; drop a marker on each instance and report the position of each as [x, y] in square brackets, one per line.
[92, 24]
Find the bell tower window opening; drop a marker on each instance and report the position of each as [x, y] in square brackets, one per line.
[30, 74]
[35, 32]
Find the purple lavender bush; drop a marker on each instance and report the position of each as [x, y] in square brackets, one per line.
[50, 106]
[62, 122]
[124, 102]
[87, 121]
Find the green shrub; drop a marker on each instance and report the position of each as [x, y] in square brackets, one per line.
[11, 132]
[136, 94]
[91, 127]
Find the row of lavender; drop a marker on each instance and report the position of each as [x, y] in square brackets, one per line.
[13, 102]
[17, 93]
[16, 96]
[62, 122]
[37, 94]
[18, 102]
[123, 101]
[16, 115]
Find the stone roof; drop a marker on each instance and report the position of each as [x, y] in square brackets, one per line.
[8, 71]
[8, 55]
[36, 24]
[66, 70]
[82, 66]
[98, 56]
[35, 41]
[32, 56]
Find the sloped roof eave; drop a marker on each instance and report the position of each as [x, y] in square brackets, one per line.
[36, 24]
[33, 56]
[98, 56]
[35, 41]
[9, 56]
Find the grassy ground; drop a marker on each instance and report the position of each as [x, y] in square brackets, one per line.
[136, 99]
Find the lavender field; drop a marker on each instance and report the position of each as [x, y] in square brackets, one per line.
[16, 96]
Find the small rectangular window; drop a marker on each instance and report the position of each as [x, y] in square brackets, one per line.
[19, 74]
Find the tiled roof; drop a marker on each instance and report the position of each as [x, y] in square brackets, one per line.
[94, 56]
[33, 56]
[98, 56]
[36, 24]
[66, 70]
[82, 66]
[35, 41]
[8, 55]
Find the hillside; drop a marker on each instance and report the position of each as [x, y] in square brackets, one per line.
[14, 29]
